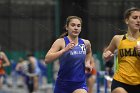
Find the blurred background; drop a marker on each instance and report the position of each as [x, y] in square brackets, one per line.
[33, 25]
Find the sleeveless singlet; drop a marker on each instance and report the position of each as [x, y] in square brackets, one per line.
[128, 62]
[2, 71]
[72, 63]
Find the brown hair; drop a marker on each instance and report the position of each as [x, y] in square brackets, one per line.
[69, 18]
[129, 11]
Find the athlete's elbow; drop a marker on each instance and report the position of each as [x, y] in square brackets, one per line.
[8, 63]
[47, 59]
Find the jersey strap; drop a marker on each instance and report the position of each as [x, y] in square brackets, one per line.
[66, 40]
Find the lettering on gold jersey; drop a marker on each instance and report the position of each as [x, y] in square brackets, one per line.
[128, 52]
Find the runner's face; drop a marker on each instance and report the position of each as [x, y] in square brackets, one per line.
[74, 27]
[134, 20]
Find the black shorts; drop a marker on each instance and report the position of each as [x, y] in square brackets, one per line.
[128, 88]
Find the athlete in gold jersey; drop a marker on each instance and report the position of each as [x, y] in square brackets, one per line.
[127, 78]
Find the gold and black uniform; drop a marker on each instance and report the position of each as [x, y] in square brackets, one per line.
[128, 62]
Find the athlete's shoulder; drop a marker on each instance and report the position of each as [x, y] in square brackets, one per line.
[118, 37]
[2, 53]
[86, 41]
[59, 41]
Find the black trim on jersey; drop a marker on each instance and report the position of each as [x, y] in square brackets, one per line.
[124, 37]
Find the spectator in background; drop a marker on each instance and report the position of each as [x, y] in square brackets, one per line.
[91, 77]
[43, 76]
[4, 62]
[19, 71]
[34, 73]
[109, 70]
